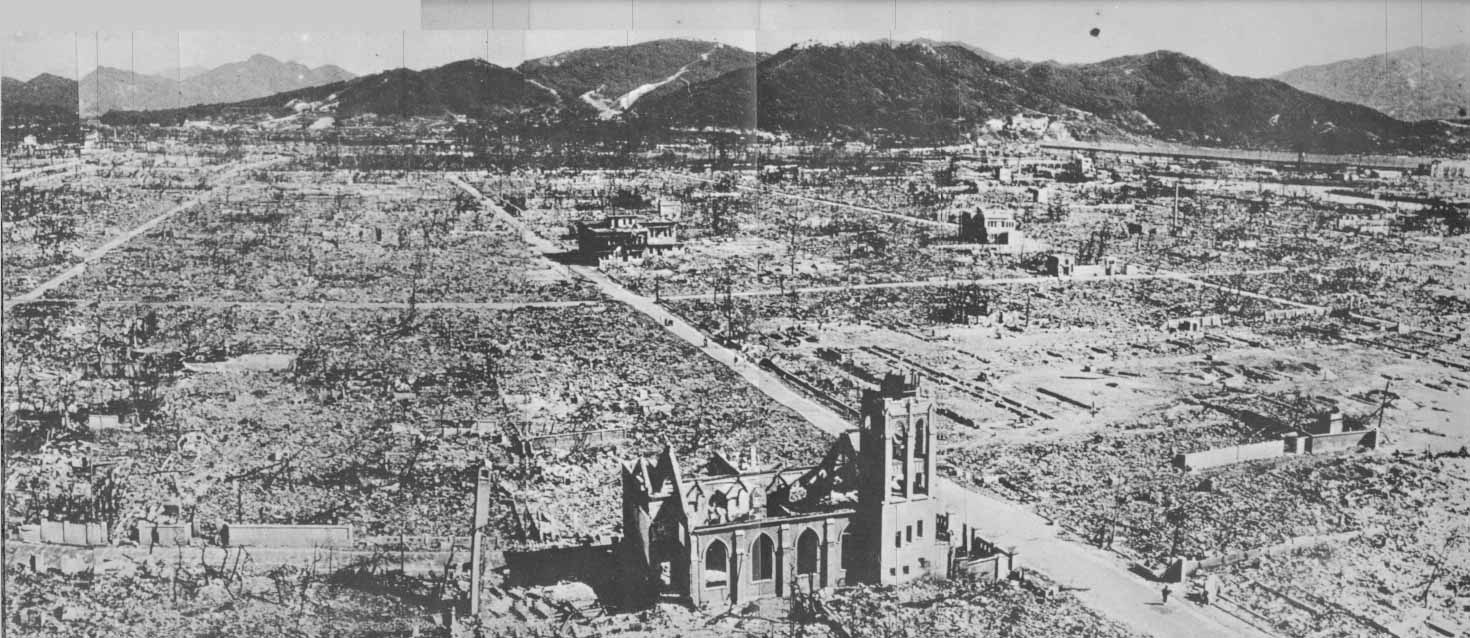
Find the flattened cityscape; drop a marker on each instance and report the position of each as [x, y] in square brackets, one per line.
[677, 338]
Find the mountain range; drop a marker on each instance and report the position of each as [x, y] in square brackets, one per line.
[938, 89]
[921, 89]
[1412, 84]
[44, 102]
[44, 90]
[611, 79]
[110, 89]
[472, 88]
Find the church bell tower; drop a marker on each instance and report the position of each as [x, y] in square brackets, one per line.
[898, 514]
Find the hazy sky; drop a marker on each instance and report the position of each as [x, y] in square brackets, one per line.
[1259, 38]
[26, 55]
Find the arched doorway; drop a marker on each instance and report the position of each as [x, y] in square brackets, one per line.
[808, 560]
[667, 554]
[763, 565]
[717, 565]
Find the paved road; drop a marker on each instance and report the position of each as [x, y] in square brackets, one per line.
[124, 238]
[1100, 580]
[1097, 578]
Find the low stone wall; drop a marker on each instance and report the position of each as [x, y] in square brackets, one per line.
[1305, 444]
[150, 535]
[988, 569]
[239, 534]
[1228, 455]
[1341, 441]
[78, 534]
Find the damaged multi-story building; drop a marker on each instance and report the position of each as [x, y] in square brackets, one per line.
[627, 238]
[737, 530]
[994, 226]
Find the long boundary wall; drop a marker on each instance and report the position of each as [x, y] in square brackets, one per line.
[1228, 455]
[1306, 444]
[234, 535]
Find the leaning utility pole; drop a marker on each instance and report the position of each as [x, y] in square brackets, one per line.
[1382, 407]
[477, 536]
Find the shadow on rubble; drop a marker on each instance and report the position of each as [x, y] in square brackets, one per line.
[1250, 418]
[593, 565]
[373, 576]
[569, 258]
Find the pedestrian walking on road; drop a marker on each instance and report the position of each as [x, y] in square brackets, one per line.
[1166, 591]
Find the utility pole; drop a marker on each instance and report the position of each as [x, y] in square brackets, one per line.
[1382, 407]
[477, 536]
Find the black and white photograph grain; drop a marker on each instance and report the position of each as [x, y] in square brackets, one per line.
[742, 318]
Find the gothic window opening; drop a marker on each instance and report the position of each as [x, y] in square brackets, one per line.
[807, 552]
[762, 558]
[716, 565]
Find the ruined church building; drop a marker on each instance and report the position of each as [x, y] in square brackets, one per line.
[736, 531]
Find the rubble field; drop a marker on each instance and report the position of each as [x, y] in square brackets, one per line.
[334, 237]
[156, 596]
[748, 240]
[1429, 297]
[51, 226]
[1093, 354]
[1121, 486]
[1411, 566]
[210, 404]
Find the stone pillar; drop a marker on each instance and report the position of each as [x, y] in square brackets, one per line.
[931, 453]
[831, 553]
[784, 553]
[885, 458]
[696, 570]
[908, 449]
[737, 578]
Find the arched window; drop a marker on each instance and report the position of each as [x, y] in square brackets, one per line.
[716, 565]
[762, 558]
[807, 552]
[920, 438]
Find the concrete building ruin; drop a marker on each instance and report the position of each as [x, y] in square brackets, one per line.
[627, 238]
[1065, 265]
[989, 227]
[738, 530]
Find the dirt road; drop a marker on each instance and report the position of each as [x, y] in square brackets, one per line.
[124, 238]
